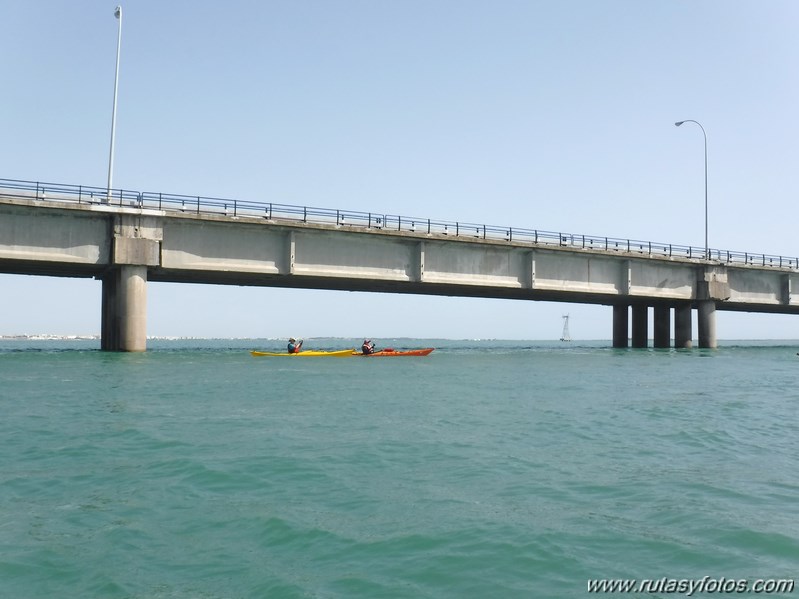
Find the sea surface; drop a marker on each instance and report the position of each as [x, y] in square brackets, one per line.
[486, 469]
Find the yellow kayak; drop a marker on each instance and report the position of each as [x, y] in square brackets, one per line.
[341, 353]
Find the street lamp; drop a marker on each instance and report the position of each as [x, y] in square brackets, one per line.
[678, 123]
[118, 15]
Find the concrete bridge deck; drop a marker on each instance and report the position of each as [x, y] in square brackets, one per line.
[135, 237]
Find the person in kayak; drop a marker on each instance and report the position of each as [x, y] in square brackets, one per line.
[294, 346]
[368, 347]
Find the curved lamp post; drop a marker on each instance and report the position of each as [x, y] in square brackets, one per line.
[678, 123]
[118, 15]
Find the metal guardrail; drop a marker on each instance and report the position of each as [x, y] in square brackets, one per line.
[83, 194]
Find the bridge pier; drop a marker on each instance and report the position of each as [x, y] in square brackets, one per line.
[662, 316]
[712, 285]
[640, 328]
[706, 314]
[662, 325]
[124, 310]
[620, 325]
[682, 326]
[136, 245]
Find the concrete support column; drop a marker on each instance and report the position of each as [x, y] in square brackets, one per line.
[785, 290]
[124, 309]
[640, 328]
[662, 315]
[108, 337]
[706, 322]
[620, 325]
[136, 245]
[682, 326]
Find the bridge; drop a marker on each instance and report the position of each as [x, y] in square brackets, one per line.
[127, 238]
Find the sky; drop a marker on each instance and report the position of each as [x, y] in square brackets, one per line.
[557, 115]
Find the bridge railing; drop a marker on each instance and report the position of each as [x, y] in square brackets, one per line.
[274, 212]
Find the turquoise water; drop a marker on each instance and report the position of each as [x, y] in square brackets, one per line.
[487, 469]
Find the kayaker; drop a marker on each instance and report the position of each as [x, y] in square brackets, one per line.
[368, 347]
[294, 346]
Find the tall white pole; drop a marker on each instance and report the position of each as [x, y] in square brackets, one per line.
[707, 250]
[118, 15]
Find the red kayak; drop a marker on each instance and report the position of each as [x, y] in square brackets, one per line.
[397, 352]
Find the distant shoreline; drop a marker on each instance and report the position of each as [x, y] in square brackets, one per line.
[52, 337]
[48, 337]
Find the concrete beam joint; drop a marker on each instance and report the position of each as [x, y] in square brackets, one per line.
[626, 277]
[421, 250]
[786, 290]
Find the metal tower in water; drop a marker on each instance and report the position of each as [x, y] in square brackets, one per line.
[565, 335]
